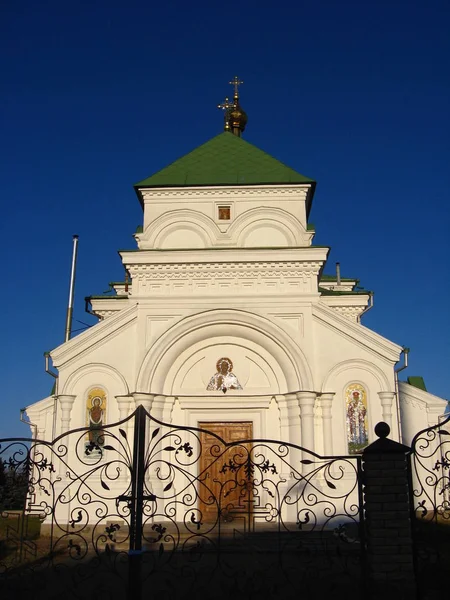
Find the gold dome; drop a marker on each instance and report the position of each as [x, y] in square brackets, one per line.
[237, 118]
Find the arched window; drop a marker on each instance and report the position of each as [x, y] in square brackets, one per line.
[95, 418]
[357, 425]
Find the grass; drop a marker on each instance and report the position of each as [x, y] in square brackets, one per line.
[17, 545]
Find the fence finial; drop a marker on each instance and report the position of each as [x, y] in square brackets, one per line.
[382, 429]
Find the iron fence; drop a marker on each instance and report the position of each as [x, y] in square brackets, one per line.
[151, 508]
[429, 470]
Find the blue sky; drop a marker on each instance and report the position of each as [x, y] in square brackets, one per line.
[99, 94]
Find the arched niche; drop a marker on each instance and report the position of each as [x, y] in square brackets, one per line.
[266, 226]
[186, 235]
[88, 377]
[256, 370]
[265, 233]
[242, 329]
[180, 229]
[340, 379]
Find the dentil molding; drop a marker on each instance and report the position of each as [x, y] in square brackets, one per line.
[226, 192]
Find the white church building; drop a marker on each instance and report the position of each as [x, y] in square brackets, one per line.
[227, 321]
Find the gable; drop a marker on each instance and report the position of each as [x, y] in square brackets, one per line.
[357, 333]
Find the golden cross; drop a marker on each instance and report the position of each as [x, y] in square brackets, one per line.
[226, 104]
[236, 82]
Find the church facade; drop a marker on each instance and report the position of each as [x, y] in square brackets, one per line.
[227, 320]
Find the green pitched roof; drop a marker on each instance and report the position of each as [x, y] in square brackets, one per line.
[224, 160]
[417, 381]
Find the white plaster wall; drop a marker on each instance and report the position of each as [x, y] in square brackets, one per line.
[244, 330]
[334, 347]
[93, 375]
[260, 216]
[41, 414]
[419, 409]
[340, 361]
[106, 361]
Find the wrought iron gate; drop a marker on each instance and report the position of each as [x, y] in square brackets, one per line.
[430, 508]
[125, 515]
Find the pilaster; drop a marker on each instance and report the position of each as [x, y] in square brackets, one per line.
[143, 399]
[66, 402]
[387, 399]
[325, 402]
[293, 412]
[124, 405]
[306, 402]
[284, 416]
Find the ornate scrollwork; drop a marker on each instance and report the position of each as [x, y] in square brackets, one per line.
[429, 461]
[180, 501]
[430, 465]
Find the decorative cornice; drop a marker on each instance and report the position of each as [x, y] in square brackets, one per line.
[149, 194]
[104, 314]
[108, 305]
[350, 300]
[350, 312]
[233, 256]
[351, 306]
[241, 402]
[224, 270]
[210, 278]
[414, 403]
[416, 396]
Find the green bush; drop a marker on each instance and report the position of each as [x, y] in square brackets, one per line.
[13, 486]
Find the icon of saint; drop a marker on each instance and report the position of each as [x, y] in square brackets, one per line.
[356, 413]
[224, 379]
[95, 420]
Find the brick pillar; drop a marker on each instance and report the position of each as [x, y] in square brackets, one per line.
[388, 518]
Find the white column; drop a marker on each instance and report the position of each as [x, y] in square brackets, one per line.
[290, 432]
[66, 402]
[306, 401]
[154, 405]
[293, 412]
[284, 417]
[386, 399]
[158, 407]
[143, 399]
[169, 401]
[124, 404]
[325, 403]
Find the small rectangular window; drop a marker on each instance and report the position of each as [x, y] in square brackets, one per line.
[224, 213]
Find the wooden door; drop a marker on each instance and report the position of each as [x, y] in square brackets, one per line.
[222, 469]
